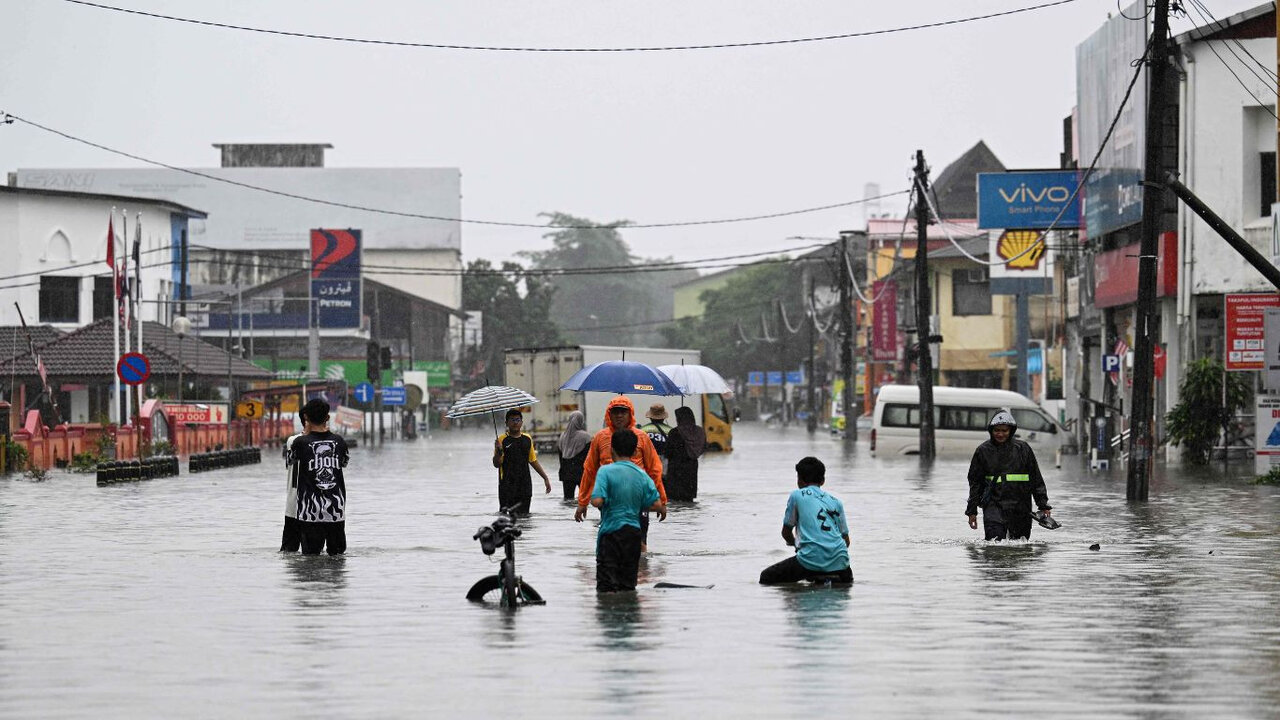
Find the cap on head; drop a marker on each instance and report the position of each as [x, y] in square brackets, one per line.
[657, 411]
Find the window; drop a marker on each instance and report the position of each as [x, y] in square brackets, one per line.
[715, 405]
[1033, 421]
[1268, 181]
[104, 296]
[59, 299]
[970, 292]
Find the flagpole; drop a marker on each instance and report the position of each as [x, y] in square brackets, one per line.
[127, 417]
[115, 314]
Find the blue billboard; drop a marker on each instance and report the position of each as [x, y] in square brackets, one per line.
[335, 277]
[1025, 200]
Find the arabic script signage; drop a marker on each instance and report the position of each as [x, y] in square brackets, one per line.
[335, 277]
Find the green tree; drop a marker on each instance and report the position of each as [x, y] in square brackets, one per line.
[516, 307]
[1198, 418]
[730, 332]
[614, 298]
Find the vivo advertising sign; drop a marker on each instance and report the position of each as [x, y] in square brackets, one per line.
[1028, 200]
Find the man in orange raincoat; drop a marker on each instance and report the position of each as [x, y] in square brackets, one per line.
[620, 416]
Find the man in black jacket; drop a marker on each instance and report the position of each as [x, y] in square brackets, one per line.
[1003, 478]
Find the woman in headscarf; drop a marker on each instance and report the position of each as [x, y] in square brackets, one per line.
[575, 441]
[685, 445]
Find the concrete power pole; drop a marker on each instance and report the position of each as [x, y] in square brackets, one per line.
[924, 361]
[846, 344]
[1140, 437]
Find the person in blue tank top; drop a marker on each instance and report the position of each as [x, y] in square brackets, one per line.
[622, 490]
[815, 525]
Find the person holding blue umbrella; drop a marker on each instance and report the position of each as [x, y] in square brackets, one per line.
[620, 417]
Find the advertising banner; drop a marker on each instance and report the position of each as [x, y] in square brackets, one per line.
[1104, 68]
[335, 277]
[884, 321]
[1029, 199]
[196, 413]
[1266, 440]
[1246, 316]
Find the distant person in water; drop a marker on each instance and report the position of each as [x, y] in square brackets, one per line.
[574, 444]
[815, 525]
[291, 538]
[685, 445]
[320, 457]
[620, 418]
[513, 454]
[1004, 478]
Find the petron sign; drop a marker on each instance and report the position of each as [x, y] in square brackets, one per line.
[1029, 199]
[335, 277]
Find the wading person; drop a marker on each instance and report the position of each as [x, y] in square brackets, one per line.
[685, 445]
[815, 525]
[658, 430]
[574, 443]
[622, 490]
[291, 538]
[319, 457]
[513, 454]
[1003, 479]
[620, 418]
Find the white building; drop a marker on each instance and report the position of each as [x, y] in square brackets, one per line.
[54, 248]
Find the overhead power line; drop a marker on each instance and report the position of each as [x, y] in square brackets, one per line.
[529, 49]
[441, 218]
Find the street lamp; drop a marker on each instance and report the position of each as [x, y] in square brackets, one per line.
[181, 326]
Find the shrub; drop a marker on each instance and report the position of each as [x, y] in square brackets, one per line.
[1198, 418]
[16, 457]
[1272, 477]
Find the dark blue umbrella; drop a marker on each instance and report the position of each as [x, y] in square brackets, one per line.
[622, 376]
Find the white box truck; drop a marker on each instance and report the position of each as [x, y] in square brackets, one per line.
[541, 371]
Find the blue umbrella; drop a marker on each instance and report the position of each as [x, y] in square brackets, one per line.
[624, 377]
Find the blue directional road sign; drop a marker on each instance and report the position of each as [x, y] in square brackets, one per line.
[394, 395]
[364, 392]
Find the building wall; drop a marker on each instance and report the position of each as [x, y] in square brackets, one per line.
[687, 296]
[443, 289]
[1224, 131]
[67, 236]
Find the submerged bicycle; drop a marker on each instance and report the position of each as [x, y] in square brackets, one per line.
[506, 588]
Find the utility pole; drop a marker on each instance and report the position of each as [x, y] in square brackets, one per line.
[811, 424]
[924, 361]
[846, 344]
[1140, 437]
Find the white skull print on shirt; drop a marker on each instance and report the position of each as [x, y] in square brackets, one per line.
[322, 490]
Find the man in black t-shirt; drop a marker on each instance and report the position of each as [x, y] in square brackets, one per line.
[318, 458]
[513, 453]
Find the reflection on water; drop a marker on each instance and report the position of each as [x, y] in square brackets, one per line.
[112, 592]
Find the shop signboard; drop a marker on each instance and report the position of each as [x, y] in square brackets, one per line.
[1245, 329]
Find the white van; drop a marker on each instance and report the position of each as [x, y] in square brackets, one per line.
[960, 417]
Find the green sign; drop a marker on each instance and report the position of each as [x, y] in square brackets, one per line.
[439, 374]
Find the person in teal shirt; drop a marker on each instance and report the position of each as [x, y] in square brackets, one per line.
[815, 525]
[621, 492]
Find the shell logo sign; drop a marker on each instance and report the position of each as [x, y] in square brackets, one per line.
[1021, 248]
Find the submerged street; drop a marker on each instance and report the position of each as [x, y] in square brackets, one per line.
[168, 598]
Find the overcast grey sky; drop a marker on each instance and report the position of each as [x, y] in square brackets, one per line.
[651, 137]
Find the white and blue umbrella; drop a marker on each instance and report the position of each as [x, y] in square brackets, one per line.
[624, 377]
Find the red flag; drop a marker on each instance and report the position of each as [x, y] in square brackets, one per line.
[111, 246]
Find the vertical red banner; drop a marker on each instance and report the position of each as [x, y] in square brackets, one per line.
[884, 321]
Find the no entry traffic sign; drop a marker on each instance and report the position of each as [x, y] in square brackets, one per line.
[133, 368]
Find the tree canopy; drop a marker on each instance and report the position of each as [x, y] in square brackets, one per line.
[516, 307]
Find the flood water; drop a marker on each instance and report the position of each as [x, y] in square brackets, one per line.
[167, 598]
